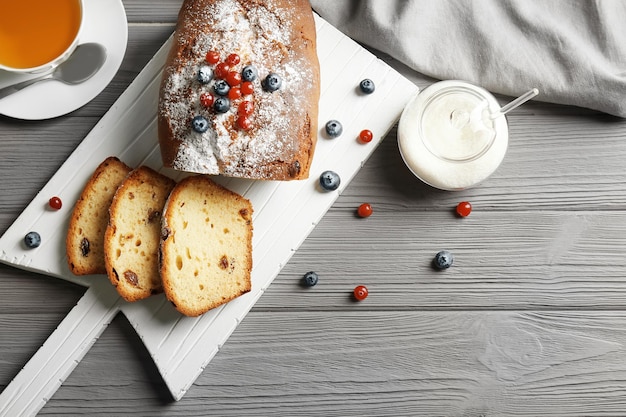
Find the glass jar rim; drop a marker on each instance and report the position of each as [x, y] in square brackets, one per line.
[475, 131]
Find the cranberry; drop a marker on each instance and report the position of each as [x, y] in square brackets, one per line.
[233, 78]
[245, 108]
[221, 70]
[55, 203]
[364, 210]
[360, 292]
[244, 123]
[464, 208]
[234, 93]
[207, 99]
[366, 136]
[247, 88]
[233, 59]
[212, 57]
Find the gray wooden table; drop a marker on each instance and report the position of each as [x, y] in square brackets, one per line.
[530, 321]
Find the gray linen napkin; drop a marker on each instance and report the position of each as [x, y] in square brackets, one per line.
[573, 51]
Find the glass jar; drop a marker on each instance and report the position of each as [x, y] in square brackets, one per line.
[452, 136]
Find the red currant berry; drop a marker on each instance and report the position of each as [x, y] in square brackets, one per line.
[366, 136]
[464, 209]
[207, 99]
[233, 78]
[244, 123]
[221, 70]
[364, 210]
[360, 292]
[247, 88]
[55, 203]
[212, 57]
[233, 59]
[245, 108]
[234, 93]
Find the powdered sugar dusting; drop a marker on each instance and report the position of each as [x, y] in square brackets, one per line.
[260, 36]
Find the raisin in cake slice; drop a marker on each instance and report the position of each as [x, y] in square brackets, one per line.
[90, 217]
[206, 247]
[131, 242]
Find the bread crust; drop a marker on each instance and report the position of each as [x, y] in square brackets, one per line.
[273, 35]
[206, 245]
[90, 217]
[131, 240]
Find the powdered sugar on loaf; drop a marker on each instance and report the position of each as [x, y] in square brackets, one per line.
[262, 34]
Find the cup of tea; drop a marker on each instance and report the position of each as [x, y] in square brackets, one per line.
[38, 35]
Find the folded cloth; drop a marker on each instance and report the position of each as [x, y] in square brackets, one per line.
[573, 51]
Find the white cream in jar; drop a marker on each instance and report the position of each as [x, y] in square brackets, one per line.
[448, 137]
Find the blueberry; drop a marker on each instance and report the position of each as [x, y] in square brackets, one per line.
[221, 104]
[205, 74]
[221, 87]
[334, 128]
[443, 259]
[249, 73]
[32, 240]
[329, 180]
[200, 124]
[310, 279]
[367, 86]
[272, 82]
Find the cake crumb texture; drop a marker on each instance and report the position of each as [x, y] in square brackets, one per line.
[90, 217]
[206, 245]
[131, 241]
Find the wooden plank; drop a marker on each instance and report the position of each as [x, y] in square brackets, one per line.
[563, 163]
[503, 260]
[534, 328]
[358, 362]
[40, 378]
[587, 155]
[146, 11]
[547, 260]
[27, 289]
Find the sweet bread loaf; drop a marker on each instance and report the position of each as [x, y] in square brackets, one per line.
[240, 89]
[206, 247]
[90, 217]
[131, 240]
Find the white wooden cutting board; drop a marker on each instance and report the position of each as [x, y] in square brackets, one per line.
[285, 213]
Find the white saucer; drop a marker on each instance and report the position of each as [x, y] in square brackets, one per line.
[105, 23]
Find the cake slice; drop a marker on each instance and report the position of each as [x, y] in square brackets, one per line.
[131, 241]
[90, 217]
[206, 245]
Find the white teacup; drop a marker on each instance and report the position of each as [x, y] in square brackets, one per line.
[38, 35]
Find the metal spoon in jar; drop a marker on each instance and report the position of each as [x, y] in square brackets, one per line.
[84, 62]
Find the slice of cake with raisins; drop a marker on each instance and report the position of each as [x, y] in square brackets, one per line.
[131, 240]
[90, 217]
[240, 90]
[206, 245]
